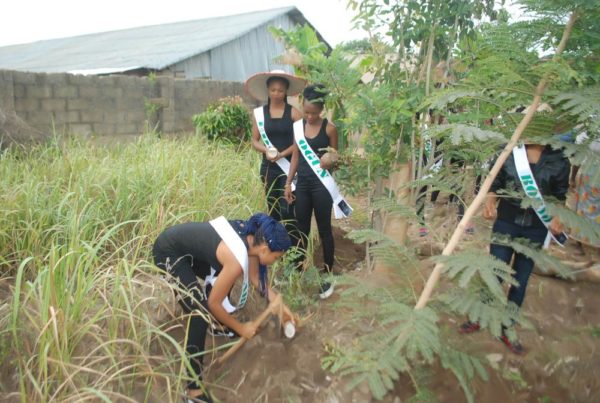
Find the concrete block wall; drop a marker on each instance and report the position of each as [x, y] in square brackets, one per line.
[109, 105]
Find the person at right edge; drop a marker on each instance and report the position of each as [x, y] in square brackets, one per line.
[550, 170]
[311, 193]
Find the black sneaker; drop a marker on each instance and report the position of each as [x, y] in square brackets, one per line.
[203, 398]
[514, 346]
[221, 331]
[326, 290]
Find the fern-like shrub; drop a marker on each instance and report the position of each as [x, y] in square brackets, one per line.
[226, 119]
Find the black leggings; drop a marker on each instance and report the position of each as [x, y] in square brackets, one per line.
[184, 275]
[315, 197]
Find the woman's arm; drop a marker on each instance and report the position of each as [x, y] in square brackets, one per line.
[230, 271]
[289, 197]
[332, 133]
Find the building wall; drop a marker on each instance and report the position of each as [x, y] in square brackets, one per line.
[253, 52]
[110, 105]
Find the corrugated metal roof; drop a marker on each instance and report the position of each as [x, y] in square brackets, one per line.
[151, 47]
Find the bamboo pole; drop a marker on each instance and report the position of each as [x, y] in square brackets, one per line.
[459, 231]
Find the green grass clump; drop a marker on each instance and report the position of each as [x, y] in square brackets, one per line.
[83, 313]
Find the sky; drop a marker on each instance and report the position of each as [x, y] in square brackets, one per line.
[23, 21]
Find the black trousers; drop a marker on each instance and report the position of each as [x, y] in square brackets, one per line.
[312, 196]
[278, 208]
[183, 272]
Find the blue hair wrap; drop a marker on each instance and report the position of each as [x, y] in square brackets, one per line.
[266, 229]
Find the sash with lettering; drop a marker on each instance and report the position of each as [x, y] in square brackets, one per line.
[283, 163]
[531, 190]
[341, 208]
[238, 248]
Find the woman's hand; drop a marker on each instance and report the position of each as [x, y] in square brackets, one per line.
[287, 193]
[329, 159]
[288, 315]
[248, 330]
[556, 227]
[490, 211]
[272, 158]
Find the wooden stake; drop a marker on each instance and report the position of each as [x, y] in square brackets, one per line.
[459, 231]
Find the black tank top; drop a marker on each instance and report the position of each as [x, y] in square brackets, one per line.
[279, 130]
[196, 240]
[321, 140]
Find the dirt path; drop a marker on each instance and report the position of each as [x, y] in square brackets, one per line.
[562, 363]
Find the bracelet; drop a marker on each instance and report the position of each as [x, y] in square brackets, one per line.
[287, 185]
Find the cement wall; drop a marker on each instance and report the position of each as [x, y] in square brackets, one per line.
[109, 105]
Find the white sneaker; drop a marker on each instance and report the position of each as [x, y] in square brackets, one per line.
[326, 290]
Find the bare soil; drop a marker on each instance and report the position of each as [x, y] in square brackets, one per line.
[562, 363]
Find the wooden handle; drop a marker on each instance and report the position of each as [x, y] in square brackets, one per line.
[272, 308]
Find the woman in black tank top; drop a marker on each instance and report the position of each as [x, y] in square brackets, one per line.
[279, 117]
[190, 250]
[311, 195]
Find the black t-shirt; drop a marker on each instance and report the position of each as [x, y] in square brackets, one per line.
[280, 131]
[317, 143]
[197, 241]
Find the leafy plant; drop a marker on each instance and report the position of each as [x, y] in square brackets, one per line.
[487, 72]
[226, 119]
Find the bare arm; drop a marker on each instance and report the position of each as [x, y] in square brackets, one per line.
[332, 133]
[289, 197]
[230, 271]
[489, 208]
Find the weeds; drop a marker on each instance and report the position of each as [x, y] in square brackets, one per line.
[87, 316]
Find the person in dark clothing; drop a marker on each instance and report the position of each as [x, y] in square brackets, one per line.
[202, 249]
[276, 120]
[311, 195]
[550, 169]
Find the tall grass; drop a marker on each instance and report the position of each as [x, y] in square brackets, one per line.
[83, 314]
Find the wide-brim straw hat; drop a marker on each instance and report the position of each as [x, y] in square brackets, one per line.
[256, 85]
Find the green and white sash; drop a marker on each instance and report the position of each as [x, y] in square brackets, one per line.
[531, 190]
[238, 248]
[283, 163]
[341, 208]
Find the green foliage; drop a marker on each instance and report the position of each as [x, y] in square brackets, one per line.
[399, 339]
[431, 63]
[464, 367]
[385, 248]
[89, 314]
[296, 285]
[466, 266]
[480, 306]
[584, 105]
[459, 134]
[226, 119]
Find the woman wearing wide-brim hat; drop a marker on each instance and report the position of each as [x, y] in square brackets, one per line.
[273, 135]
